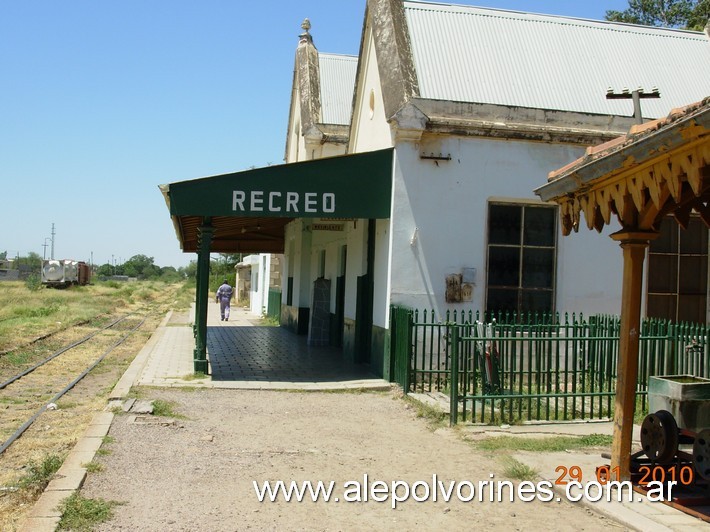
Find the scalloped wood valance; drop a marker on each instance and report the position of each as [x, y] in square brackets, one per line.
[659, 168]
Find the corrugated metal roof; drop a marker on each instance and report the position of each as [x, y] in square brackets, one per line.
[481, 55]
[337, 84]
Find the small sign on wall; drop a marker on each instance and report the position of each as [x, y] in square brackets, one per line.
[453, 288]
[466, 292]
[326, 227]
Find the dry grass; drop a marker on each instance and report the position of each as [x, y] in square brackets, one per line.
[55, 432]
[26, 314]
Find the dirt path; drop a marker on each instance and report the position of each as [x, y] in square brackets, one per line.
[198, 474]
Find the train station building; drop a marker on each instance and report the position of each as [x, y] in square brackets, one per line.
[410, 174]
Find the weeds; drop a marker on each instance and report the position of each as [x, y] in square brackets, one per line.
[93, 467]
[519, 471]
[81, 513]
[165, 409]
[543, 445]
[269, 321]
[33, 282]
[434, 417]
[39, 474]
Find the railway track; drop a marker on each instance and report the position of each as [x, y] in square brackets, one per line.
[87, 370]
[44, 383]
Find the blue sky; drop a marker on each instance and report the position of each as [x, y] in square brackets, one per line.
[100, 102]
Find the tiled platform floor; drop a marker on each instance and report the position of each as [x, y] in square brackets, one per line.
[244, 354]
[262, 353]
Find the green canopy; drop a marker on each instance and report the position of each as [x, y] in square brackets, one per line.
[248, 210]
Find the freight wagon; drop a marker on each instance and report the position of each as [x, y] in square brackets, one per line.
[64, 273]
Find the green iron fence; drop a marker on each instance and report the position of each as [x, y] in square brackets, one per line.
[533, 367]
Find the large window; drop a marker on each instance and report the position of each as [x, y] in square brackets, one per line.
[678, 272]
[521, 258]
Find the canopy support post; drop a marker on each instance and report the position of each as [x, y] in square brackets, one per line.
[201, 297]
[633, 245]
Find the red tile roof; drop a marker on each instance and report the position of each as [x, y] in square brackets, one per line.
[635, 133]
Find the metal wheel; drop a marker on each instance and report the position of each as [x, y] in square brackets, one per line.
[701, 454]
[659, 436]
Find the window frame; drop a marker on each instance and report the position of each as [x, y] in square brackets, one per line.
[521, 246]
[677, 254]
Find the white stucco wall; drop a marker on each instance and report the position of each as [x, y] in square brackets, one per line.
[294, 141]
[259, 290]
[370, 130]
[381, 298]
[446, 203]
[356, 266]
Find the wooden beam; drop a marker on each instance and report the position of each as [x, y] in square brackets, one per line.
[633, 245]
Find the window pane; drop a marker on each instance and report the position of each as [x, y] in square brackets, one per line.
[662, 273]
[538, 267]
[504, 224]
[289, 291]
[691, 308]
[667, 242]
[503, 266]
[539, 226]
[693, 275]
[537, 301]
[695, 238]
[501, 300]
[661, 307]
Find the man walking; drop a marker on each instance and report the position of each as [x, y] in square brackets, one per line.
[224, 298]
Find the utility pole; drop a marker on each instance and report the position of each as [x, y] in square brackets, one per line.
[53, 233]
[44, 251]
[635, 96]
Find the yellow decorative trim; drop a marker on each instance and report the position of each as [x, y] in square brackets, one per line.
[626, 191]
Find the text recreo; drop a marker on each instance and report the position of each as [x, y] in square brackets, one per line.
[285, 202]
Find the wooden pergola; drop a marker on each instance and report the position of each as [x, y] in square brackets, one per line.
[659, 168]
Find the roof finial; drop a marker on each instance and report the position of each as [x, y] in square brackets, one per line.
[305, 36]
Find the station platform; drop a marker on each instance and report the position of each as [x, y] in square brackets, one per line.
[244, 353]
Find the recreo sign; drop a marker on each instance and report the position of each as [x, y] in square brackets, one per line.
[274, 201]
[350, 186]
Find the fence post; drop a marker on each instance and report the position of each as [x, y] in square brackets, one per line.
[407, 358]
[454, 394]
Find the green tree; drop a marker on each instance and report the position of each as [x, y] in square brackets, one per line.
[140, 266]
[224, 267]
[700, 17]
[189, 271]
[170, 275]
[687, 14]
[34, 261]
[105, 270]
